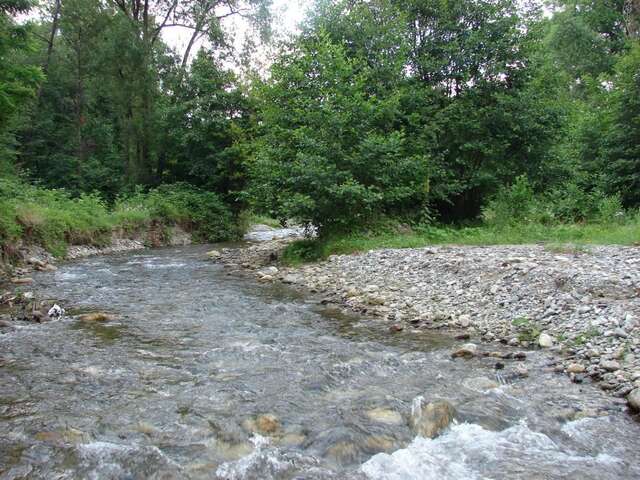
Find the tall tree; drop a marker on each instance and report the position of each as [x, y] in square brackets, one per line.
[18, 79]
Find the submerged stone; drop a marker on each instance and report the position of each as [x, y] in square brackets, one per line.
[431, 419]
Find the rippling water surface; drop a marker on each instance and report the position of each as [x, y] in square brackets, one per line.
[173, 388]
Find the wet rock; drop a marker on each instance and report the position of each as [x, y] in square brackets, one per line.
[576, 368]
[146, 428]
[342, 453]
[232, 451]
[267, 424]
[431, 419]
[563, 414]
[522, 371]
[292, 439]
[379, 443]
[375, 300]
[38, 316]
[464, 321]
[545, 340]
[466, 351]
[396, 328]
[96, 317]
[386, 416]
[291, 279]
[56, 312]
[480, 384]
[22, 280]
[634, 399]
[268, 271]
[462, 336]
[36, 262]
[577, 377]
[214, 254]
[352, 292]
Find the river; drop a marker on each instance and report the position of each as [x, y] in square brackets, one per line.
[198, 360]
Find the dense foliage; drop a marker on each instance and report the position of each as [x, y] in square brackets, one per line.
[376, 111]
[383, 108]
[54, 219]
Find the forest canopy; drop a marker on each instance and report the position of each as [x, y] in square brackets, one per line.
[416, 111]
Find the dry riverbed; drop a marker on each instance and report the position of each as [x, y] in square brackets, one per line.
[583, 306]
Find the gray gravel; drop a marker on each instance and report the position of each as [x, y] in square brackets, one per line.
[581, 305]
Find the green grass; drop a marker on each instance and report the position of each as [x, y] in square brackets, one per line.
[264, 220]
[54, 220]
[571, 238]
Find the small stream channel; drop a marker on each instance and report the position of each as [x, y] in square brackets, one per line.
[172, 390]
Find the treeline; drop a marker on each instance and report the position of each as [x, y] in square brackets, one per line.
[419, 111]
[434, 108]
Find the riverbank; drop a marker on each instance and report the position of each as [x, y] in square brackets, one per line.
[582, 305]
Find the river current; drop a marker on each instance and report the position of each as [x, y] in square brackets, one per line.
[198, 360]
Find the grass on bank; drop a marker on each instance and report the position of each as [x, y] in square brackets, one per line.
[571, 238]
[54, 220]
[565, 220]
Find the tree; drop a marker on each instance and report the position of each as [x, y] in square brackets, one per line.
[206, 122]
[332, 154]
[18, 80]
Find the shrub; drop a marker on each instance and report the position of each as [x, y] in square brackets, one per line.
[331, 154]
[200, 212]
[53, 219]
[512, 204]
[570, 203]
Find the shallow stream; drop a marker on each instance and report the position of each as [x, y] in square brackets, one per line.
[198, 360]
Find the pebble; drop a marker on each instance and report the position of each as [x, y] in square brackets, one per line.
[546, 341]
[610, 365]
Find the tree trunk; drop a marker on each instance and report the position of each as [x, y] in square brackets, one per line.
[632, 18]
[192, 41]
[52, 36]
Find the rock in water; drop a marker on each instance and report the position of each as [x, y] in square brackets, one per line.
[385, 415]
[56, 311]
[431, 419]
[576, 368]
[481, 384]
[468, 350]
[267, 424]
[96, 317]
[546, 340]
[214, 254]
[268, 271]
[634, 399]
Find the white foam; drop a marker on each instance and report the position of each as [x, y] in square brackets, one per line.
[469, 452]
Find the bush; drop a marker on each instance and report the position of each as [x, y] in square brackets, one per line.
[518, 204]
[331, 154]
[54, 219]
[199, 212]
[513, 204]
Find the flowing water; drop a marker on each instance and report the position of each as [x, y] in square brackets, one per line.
[176, 385]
